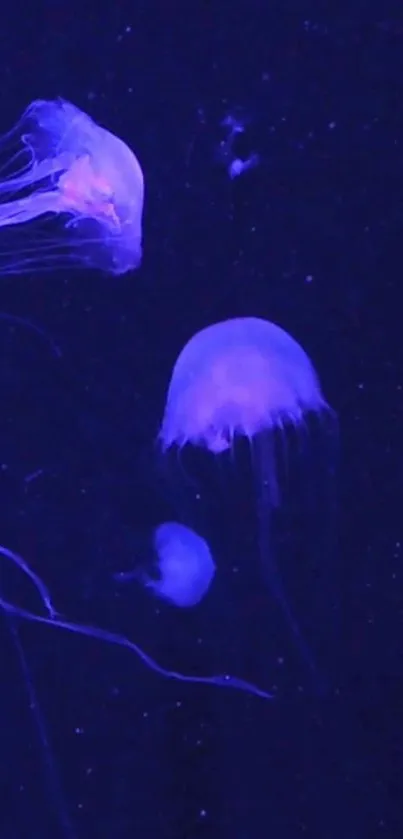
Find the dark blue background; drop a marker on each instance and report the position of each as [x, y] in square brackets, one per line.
[139, 755]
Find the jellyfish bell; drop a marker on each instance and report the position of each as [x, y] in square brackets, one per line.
[242, 378]
[238, 377]
[71, 194]
[185, 565]
[245, 378]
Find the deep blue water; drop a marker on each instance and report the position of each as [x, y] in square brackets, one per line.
[310, 239]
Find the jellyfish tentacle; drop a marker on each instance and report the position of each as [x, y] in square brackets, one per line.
[80, 172]
[25, 209]
[54, 620]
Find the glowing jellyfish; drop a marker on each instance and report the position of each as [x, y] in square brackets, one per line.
[185, 567]
[185, 564]
[57, 163]
[244, 377]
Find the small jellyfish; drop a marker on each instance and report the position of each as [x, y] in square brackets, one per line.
[235, 163]
[58, 167]
[186, 567]
[245, 377]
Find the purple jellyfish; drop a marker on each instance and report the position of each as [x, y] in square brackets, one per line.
[186, 567]
[184, 564]
[57, 162]
[244, 378]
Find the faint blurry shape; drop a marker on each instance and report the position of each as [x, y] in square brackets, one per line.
[234, 163]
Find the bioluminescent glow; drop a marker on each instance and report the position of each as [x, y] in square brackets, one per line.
[247, 378]
[184, 566]
[57, 163]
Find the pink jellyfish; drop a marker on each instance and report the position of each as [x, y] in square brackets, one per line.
[244, 377]
[57, 162]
